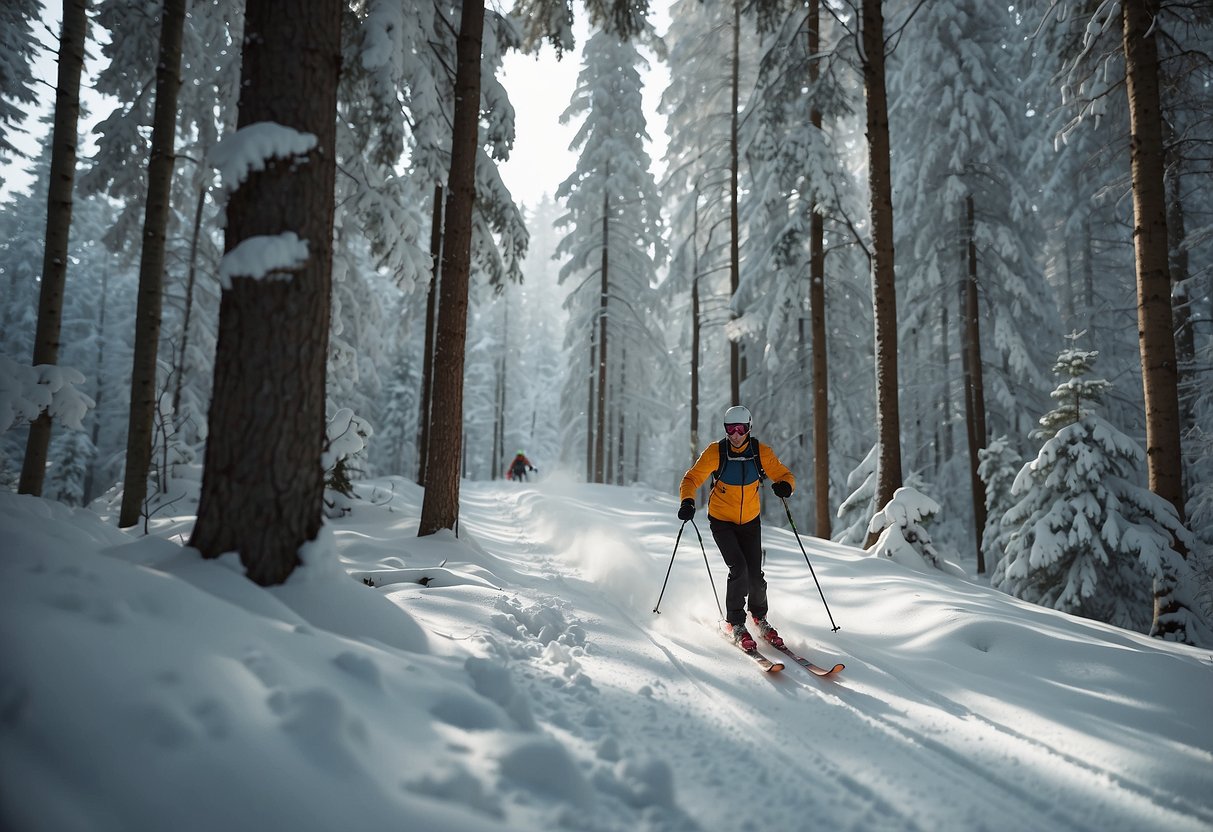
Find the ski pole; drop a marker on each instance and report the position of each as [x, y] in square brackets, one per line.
[670, 567]
[715, 597]
[806, 560]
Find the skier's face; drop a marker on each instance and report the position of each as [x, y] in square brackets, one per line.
[738, 434]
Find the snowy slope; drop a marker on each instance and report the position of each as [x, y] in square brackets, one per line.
[517, 678]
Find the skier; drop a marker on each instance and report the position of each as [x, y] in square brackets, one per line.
[733, 515]
[519, 467]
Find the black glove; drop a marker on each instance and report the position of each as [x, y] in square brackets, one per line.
[687, 510]
[782, 489]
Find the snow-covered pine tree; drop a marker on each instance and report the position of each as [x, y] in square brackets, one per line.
[856, 509]
[800, 120]
[187, 322]
[697, 105]
[22, 225]
[210, 59]
[63, 143]
[71, 456]
[903, 536]
[999, 464]
[537, 365]
[1085, 537]
[975, 294]
[614, 245]
[18, 48]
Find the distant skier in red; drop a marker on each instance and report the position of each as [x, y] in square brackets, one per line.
[519, 467]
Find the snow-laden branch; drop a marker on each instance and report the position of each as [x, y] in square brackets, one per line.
[26, 392]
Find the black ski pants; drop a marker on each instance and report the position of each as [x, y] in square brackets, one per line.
[741, 547]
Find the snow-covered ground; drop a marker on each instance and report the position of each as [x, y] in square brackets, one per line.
[517, 678]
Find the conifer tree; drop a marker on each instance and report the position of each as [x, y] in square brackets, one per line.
[884, 293]
[967, 222]
[263, 498]
[1084, 537]
[698, 194]
[998, 466]
[64, 138]
[151, 263]
[614, 245]
[18, 48]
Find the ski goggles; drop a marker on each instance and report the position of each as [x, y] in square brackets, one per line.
[739, 429]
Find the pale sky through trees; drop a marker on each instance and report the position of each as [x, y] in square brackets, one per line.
[540, 88]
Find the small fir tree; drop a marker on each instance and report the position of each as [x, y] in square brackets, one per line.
[903, 534]
[998, 466]
[856, 510]
[71, 455]
[1084, 537]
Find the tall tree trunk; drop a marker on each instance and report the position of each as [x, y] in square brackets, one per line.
[734, 225]
[440, 508]
[975, 396]
[589, 407]
[1067, 285]
[884, 294]
[1088, 268]
[817, 318]
[1185, 336]
[99, 387]
[190, 280]
[944, 438]
[604, 289]
[498, 462]
[695, 332]
[151, 266]
[263, 483]
[621, 418]
[1156, 335]
[58, 226]
[427, 361]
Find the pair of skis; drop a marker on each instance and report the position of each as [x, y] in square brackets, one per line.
[769, 666]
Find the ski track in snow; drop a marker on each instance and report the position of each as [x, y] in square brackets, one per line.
[791, 749]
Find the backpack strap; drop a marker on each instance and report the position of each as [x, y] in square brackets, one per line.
[723, 447]
[762, 475]
[724, 459]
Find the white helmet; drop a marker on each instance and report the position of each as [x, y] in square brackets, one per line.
[737, 415]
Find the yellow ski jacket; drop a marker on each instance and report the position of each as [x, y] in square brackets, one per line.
[734, 497]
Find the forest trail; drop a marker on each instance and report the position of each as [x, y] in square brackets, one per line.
[936, 722]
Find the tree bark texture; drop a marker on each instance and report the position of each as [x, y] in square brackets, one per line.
[1155, 323]
[440, 508]
[975, 396]
[695, 331]
[141, 418]
[1181, 299]
[1156, 335]
[90, 476]
[191, 280]
[603, 297]
[694, 370]
[427, 361]
[817, 321]
[734, 225]
[502, 390]
[884, 296]
[263, 484]
[64, 137]
[591, 374]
